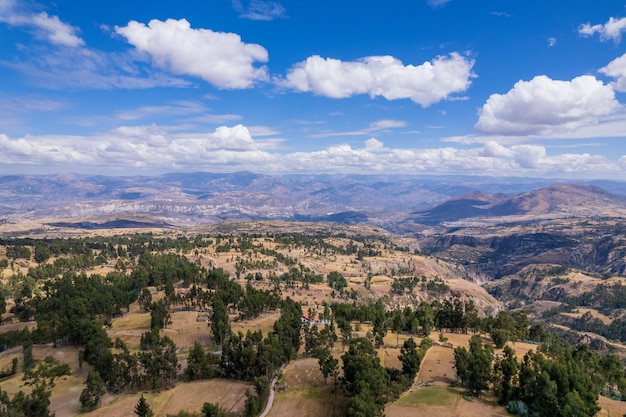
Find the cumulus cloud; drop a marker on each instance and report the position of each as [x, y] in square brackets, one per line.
[611, 30]
[384, 76]
[543, 105]
[46, 26]
[259, 10]
[219, 58]
[139, 149]
[617, 69]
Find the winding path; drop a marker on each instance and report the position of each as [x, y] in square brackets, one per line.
[270, 398]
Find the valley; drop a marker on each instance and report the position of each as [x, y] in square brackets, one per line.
[500, 266]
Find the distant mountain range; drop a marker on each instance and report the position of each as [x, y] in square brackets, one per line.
[384, 200]
[553, 200]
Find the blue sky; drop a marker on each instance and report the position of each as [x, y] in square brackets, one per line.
[489, 87]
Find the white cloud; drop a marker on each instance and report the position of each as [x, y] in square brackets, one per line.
[611, 30]
[551, 42]
[91, 69]
[543, 105]
[221, 59]
[57, 32]
[259, 10]
[383, 125]
[617, 69]
[137, 149]
[48, 27]
[176, 108]
[374, 145]
[437, 3]
[384, 76]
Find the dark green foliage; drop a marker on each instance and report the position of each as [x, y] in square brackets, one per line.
[399, 285]
[34, 404]
[327, 362]
[252, 406]
[616, 330]
[27, 354]
[287, 328]
[46, 372]
[142, 409]
[18, 252]
[410, 358]
[336, 281]
[556, 387]
[160, 362]
[605, 298]
[473, 367]
[12, 370]
[220, 323]
[42, 254]
[367, 383]
[93, 391]
[159, 315]
[162, 269]
[504, 372]
[3, 303]
[212, 410]
[74, 300]
[198, 364]
[145, 299]
[254, 301]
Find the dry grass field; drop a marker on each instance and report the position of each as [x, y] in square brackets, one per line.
[229, 394]
[594, 313]
[185, 330]
[611, 408]
[265, 323]
[306, 394]
[64, 401]
[431, 394]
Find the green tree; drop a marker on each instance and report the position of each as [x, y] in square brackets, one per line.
[145, 299]
[504, 372]
[160, 363]
[220, 324]
[94, 389]
[367, 383]
[159, 315]
[336, 281]
[397, 324]
[410, 358]
[142, 409]
[474, 366]
[345, 328]
[198, 364]
[3, 303]
[327, 362]
[42, 254]
[212, 410]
